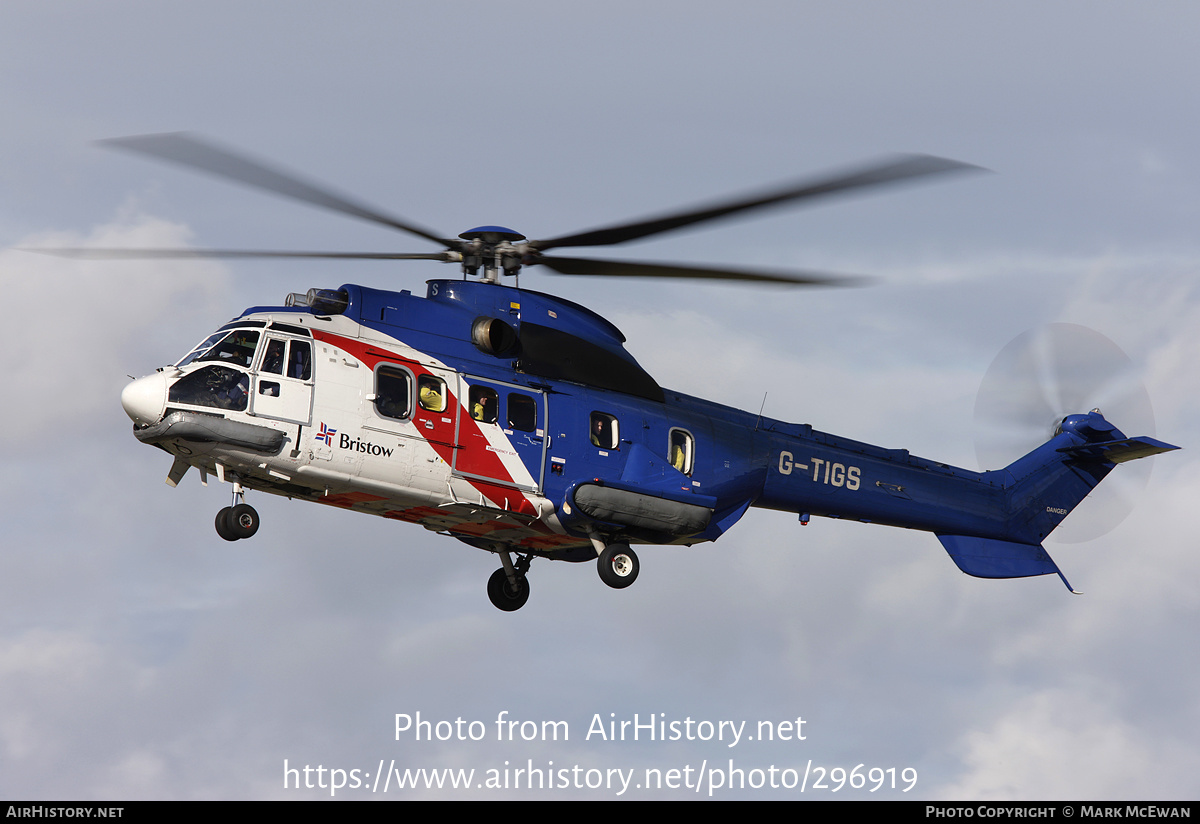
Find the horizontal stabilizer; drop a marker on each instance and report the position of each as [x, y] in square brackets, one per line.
[1129, 449]
[993, 558]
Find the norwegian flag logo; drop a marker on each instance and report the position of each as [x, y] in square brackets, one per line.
[326, 435]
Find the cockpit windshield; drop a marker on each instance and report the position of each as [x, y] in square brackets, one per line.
[235, 347]
[201, 348]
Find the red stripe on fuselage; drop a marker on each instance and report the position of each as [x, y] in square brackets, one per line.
[488, 463]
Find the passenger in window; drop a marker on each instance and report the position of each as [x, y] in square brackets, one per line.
[392, 390]
[681, 450]
[603, 432]
[484, 404]
[484, 410]
[429, 394]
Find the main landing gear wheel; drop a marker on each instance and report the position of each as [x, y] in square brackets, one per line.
[618, 566]
[502, 593]
[222, 524]
[236, 522]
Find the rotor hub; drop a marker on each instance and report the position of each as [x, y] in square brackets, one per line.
[492, 248]
[491, 234]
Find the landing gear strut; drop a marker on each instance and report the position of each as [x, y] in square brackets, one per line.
[238, 521]
[508, 588]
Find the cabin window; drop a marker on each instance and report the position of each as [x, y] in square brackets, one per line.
[605, 432]
[218, 387]
[483, 404]
[392, 392]
[681, 450]
[431, 393]
[522, 412]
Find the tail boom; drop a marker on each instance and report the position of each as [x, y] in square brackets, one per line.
[992, 524]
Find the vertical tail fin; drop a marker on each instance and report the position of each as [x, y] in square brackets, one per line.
[1044, 486]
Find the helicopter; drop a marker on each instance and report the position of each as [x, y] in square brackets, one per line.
[517, 421]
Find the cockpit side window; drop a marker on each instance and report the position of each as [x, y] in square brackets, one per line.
[300, 360]
[273, 356]
[297, 355]
[604, 431]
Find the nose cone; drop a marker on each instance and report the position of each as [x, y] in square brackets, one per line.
[145, 398]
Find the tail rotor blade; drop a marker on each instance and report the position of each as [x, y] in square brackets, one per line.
[1044, 375]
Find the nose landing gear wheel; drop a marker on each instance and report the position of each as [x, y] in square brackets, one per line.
[618, 566]
[502, 594]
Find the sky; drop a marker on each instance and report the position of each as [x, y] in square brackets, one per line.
[141, 657]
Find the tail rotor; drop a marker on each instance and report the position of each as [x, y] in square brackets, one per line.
[1046, 374]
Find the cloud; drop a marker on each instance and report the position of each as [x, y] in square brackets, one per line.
[158, 661]
[1071, 744]
[77, 328]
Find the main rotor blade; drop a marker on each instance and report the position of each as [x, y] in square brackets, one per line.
[187, 150]
[905, 168]
[631, 268]
[160, 254]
